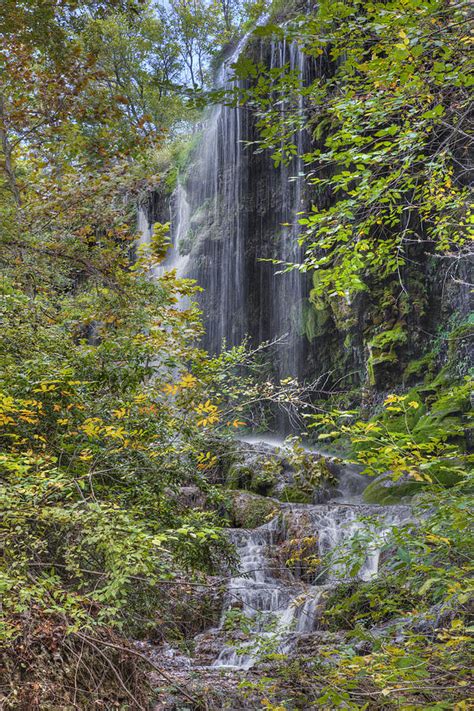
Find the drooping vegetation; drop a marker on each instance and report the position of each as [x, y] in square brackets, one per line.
[118, 464]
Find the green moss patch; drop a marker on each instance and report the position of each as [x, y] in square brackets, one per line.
[251, 510]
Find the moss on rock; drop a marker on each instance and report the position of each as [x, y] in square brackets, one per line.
[385, 491]
[293, 494]
[251, 510]
[421, 368]
[383, 350]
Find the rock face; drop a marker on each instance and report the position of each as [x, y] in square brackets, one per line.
[289, 472]
[233, 208]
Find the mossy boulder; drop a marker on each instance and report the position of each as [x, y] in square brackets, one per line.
[239, 476]
[251, 510]
[243, 476]
[385, 490]
[293, 494]
[263, 482]
[289, 473]
[310, 478]
[316, 319]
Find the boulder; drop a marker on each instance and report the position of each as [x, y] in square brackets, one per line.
[251, 510]
[385, 490]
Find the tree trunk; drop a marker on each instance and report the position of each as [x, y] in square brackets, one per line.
[7, 153]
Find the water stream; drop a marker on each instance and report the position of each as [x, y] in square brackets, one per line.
[279, 604]
[228, 213]
[225, 217]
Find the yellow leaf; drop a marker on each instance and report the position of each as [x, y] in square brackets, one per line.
[188, 381]
[120, 412]
[170, 389]
[437, 539]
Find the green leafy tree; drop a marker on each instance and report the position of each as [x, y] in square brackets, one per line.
[141, 65]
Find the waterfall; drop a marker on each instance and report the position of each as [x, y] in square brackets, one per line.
[215, 192]
[287, 290]
[179, 219]
[280, 606]
[233, 209]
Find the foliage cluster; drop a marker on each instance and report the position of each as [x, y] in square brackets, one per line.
[413, 437]
[389, 111]
[106, 400]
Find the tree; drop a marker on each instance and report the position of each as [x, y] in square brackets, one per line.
[141, 66]
[102, 402]
[389, 115]
[196, 27]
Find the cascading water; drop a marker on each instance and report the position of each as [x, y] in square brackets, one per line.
[180, 214]
[225, 218]
[179, 220]
[273, 608]
[280, 607]
[235, 216]
[288, 290]
[215, 192]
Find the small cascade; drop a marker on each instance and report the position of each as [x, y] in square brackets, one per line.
[279, 602]
[272, 608]
[341, 526]
[179, 219]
